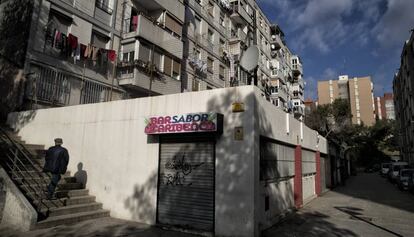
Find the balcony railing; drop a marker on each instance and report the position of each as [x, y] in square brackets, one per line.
[100, 65]
[240, 14]
[130, 26]
[238, 35]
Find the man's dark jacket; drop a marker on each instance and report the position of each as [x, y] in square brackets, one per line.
[57, 159]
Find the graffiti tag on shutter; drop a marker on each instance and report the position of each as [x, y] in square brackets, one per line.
[181, 169]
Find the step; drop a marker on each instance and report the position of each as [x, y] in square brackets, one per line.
[80, 200]
[59, 194]
[60, 187]
[63, 180]
[31, 174]
[71, 218]
[58, 211]
[61, 202]
[34, 147]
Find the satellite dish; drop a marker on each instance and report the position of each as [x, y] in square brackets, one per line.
[250, 58]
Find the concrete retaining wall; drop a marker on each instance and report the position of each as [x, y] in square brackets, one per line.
[15, 211]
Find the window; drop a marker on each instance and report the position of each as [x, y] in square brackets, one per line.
[168, 65]
[99, 40]
[128, 57]
[221, 19]
[222, 46]
[157, 59]
[104, 5]
[210, 63]
[144, 53]
[197, 26]
[173, 25]
[176, 70]
[197, 53]
[221, 72]
[196, 85]
[210, 8]
[59, 21]
[210, 35]
[172, 67]
[93, 93]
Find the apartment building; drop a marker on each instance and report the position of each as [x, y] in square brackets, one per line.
[151, 47]
[404, 101]
[93, 51]
[384, 107]
[358, 91]
[71, 51]
[214, 37]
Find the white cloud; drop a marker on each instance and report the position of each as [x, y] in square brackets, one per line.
[329, 73]
[393, 27]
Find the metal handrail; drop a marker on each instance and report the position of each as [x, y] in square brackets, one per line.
[19, 153]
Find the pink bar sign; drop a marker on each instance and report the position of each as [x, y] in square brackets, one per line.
[185, 123]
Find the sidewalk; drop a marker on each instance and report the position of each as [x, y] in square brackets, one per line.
[367, 206]
[99, 227]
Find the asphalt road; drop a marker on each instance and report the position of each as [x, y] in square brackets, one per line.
[367, 206]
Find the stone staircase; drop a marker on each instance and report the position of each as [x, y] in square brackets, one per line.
[73, 203]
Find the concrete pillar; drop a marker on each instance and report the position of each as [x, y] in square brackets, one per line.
[318, 187]
[297, 182]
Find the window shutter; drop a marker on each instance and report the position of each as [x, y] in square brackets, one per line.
[176, 68]
[167, 65]
[173, 25]
[144, 53]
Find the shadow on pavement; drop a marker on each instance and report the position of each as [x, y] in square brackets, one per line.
[357, 213]
[309, 224]
[99, 227]
[372, 187]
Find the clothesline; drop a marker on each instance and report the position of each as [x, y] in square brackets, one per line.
[70, 47]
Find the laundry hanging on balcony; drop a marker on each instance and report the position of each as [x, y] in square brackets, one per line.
[134, 23]
[69, 47]
[225, 4]
[198, 64]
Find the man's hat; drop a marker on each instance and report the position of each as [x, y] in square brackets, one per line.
[58, 141]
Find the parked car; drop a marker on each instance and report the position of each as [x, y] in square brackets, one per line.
[404, 176]
[411, 183]
[385, 167]
[394, 171]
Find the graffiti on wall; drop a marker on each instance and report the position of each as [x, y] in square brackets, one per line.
[178, 170]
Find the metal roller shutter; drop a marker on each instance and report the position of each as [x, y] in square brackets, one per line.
[186, 185]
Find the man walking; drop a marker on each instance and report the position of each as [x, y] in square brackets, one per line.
[57, 159]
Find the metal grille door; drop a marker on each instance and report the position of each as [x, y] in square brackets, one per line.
[186, 185]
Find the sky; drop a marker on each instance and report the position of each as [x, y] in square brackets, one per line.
[344, 37]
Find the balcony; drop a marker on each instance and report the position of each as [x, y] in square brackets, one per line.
[154, 32]
[276, 43]
[239, 14]
[298, 110]
[139, 79]
[175, 7]
[237, 35]
[297, 70]
[277, 74]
